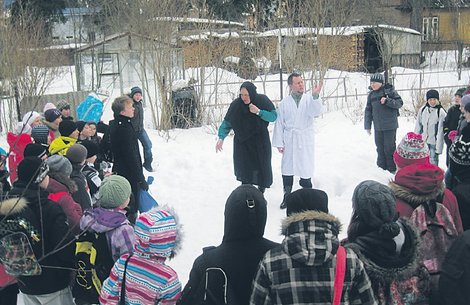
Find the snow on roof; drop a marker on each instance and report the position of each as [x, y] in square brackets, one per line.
[72, 45]
[80, 10]
[199, 20]
[349, 30]
[207, 35]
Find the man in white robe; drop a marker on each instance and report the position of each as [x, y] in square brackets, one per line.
[294, 134]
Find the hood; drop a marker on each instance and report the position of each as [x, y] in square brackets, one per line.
[158, 232]
[13, 206]
[407, 195]
[245, 214]
[408, 257]
[101, 220]
[311, 237]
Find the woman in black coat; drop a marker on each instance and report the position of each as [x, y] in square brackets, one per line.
[249, 116]
[240, 252]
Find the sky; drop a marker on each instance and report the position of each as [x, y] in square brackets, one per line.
[196, 181]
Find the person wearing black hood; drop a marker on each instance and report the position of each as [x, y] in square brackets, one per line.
[430, 124]
[242, 247]
[249, 116]
[387, 245]
[29, 210]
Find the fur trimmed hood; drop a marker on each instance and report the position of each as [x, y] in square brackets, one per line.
[311, 237]
[406, 194]
[13, 206]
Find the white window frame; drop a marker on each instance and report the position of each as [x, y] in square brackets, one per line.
[430, 28]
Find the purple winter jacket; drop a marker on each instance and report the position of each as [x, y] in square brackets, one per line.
[113, 222]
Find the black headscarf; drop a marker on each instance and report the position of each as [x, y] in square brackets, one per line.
[244, 123]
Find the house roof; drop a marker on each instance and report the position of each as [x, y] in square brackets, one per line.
[80, 10]
[199, 20]
[113, 37]
[346, 31]
[207, 35]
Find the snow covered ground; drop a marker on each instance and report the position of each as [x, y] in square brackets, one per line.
[196, 181]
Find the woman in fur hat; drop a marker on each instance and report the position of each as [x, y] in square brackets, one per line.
[387, 246]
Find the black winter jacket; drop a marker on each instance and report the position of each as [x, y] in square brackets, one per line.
[385, 115]
[52, 231]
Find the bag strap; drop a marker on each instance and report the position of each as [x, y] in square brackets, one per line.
[339, 276]
[123, 286]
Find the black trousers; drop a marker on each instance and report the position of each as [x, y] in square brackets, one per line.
[385, 141]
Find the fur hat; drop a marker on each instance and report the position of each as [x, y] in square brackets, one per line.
[60, 165]
[32, 169]
[21, 128]
[91, 147]
[67, 127]
[156, 232]
[465, 100]
[52, 114]
[76, 153]
[48, 106]
[245, 213]
[377, 77]
[135, 90]
[374, 204]
[35, 150]
[40, 134]
[460, 92]
[114, 191]
[411, 150]
[63, 105]
[29, 117]
[432, 94]
[307, 200]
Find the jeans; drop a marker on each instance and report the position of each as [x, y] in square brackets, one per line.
[433, 156]
[147, 145]
[61, 297]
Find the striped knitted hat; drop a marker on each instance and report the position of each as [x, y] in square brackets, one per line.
[411, 150]
[156, 233]
[40, 134]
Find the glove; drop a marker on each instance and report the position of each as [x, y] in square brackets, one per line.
[144, 185]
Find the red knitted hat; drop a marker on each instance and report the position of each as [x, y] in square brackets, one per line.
[411, 150]
[420, 178]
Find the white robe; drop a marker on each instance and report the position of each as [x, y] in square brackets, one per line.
[294, 130]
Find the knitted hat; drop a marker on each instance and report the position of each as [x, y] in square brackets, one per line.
[156, 232]
[102, 93]
[48, 106]
[377, 77]
[307, 200]
[460, 92]
[432, 94]
[465, 100]
[52, 114]
[245, 213]
[135, 90]
[80, 125]
[32, 169]
[67, 127]
[22, 128]
[30, 117]
[91, 147]
[420, 179]
[114, 191]
[63, 105]
[411, 150]
[374, 204]
[35, 150]
[76, 153]
[60, 165]
[40, 134]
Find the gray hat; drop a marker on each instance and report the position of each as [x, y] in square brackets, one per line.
[60, 165]
[377, 77]
[76, 153]
[374, 203]
[113, 192]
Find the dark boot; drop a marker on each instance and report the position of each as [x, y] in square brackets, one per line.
[287, 191]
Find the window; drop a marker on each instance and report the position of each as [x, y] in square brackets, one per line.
[430, 28]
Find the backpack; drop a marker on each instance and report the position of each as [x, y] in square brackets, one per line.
[93, 262]
[214, 288]
[437, 230]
